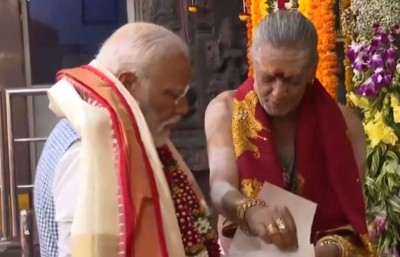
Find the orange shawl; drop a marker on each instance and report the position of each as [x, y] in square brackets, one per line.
[142, 222]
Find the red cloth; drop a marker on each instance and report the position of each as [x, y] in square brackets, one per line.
[281, 4]
[324, 158]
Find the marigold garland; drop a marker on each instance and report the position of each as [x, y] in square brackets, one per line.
[304, 7]
[348, 70]
[258, 10]
[255, 14]
[263, 8]
[322, 15]
[249, 28]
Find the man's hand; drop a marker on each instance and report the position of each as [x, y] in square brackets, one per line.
[274, 225]
[327, 251]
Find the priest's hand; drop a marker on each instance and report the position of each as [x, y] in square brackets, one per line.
[327, 251]
[275, 225]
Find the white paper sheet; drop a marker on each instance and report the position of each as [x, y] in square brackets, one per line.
[303, 212]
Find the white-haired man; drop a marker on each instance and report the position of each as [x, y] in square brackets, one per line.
[109, 182]
[284, 128]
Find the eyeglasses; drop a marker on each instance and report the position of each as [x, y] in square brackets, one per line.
[181, 96]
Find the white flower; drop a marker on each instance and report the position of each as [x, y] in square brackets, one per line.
[202, 225]
[203, 253]
[398, 68]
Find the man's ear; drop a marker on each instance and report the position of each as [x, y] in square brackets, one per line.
[129, 80]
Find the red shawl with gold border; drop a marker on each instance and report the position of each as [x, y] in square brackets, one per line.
[326, 169]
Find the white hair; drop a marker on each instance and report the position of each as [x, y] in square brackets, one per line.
[137, 46]
[286, 29]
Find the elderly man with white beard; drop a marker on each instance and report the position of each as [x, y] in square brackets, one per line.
[109, 182]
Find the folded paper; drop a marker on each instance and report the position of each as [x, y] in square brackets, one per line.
[303, 212]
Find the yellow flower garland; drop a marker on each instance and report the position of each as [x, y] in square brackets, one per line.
[258, 10]
[254, 13]
[263, 8]
[304, 7]
[348, 70]
[322, 15]
[249, 38]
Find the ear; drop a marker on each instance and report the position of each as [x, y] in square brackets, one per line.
[129, 80]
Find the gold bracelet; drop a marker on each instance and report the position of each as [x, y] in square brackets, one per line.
[346, 249]
[242, 208]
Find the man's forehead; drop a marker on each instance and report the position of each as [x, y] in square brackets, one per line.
[280, 69]
[275, 61]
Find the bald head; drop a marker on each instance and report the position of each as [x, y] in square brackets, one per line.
[136, 47]
[154, 66]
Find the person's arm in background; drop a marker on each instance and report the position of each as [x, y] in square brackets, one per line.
[65, 194]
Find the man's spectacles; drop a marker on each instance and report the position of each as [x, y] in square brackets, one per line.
[182, 95]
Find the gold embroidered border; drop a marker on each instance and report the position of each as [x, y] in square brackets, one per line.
[250, 187]
[245, 126]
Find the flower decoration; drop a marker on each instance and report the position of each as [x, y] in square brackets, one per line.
[264, 8]
[249, 29]
[304, 7]
[255, 14]
[321, 13]
[376, 94]
[198, 237]
[367, 13]
[374, 64]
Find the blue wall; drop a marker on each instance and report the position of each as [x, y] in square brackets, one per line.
[61, 38]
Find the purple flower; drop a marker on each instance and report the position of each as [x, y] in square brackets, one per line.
[360, 66]
[377, 61]
[370, 87]
[373, 85]
[355, 50]
[380, 224]
[383, 38]
[377, 57]
[390, 58]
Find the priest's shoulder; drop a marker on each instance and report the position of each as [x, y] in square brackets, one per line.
[353, 121]
[222, 102]
[350, 116]
[220, 108]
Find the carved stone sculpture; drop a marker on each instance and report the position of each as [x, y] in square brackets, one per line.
[227, 59]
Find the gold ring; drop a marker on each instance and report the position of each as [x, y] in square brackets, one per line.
[281, 224]
[271, 229]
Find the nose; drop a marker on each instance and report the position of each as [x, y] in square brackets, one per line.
[279, 89]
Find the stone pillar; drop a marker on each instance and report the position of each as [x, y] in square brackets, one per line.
[134, 10]
[12, 75]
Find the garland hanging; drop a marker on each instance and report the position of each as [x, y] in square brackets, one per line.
[249, 27]
[348, 70]
[323, 17]
[198, 237]
[258, 10]
[321, 13]
[304, 7]
[255, 14]
[373, 27]
[264, 8]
